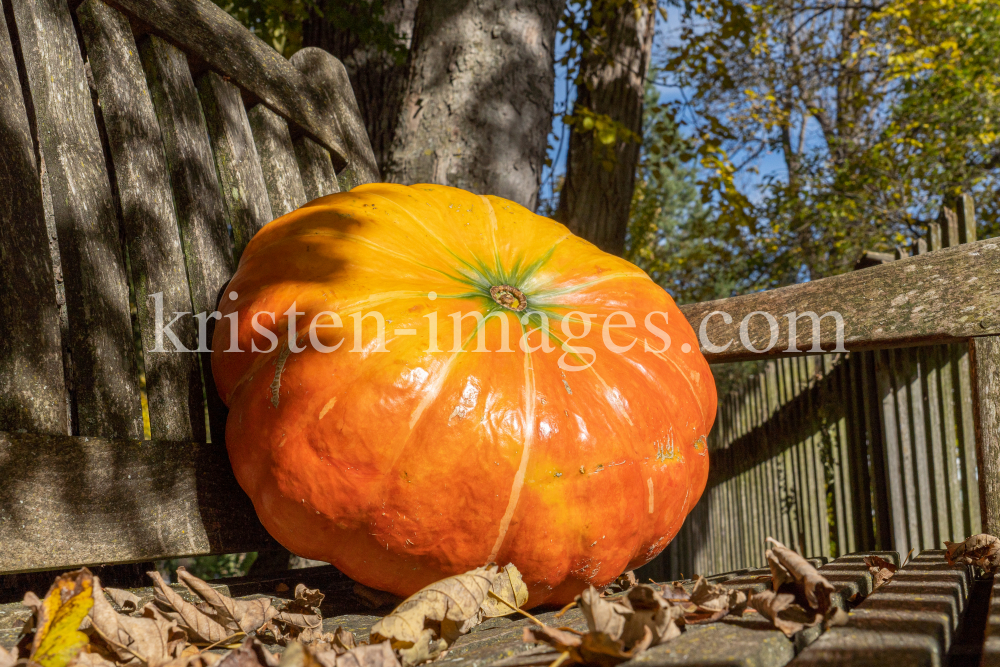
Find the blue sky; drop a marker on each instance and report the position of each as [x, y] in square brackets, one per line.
[769, 164]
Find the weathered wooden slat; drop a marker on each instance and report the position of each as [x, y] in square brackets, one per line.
[318, 175]
[70, 501]
[32, 388]
[333, 93]
[943, 483]
[105, 384]
[881, 491]
[277, 160]
[962, 383]
[201, 213]
[243, 189]
[984, 355]
[159, 275]
[942, 296]
[205, 31]
[917, 444]
[893, 468]
[861, 499]
[909, 621]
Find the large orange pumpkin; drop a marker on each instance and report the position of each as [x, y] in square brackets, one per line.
[423, 459]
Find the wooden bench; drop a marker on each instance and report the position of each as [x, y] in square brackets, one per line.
[145, 142]
[147, 154]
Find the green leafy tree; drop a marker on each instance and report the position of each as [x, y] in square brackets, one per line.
[879, 110]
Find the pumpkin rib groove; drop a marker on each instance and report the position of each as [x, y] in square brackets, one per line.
[522, 469]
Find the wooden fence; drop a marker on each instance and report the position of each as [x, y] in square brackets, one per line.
[836, 453]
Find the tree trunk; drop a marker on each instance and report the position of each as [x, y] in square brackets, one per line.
[597, 192]
[478, 105]
[377, 79]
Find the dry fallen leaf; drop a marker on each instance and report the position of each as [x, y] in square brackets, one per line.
[236, 615]
[603, 615]
[87, 658]
[509, 587]
[710, 602]
[880, 569]
[618, 630]
[788, 565]
[299, 619]
[653, 613]
[366, 655]
[150, 640]
[625, 581]
[800, 595]
[780, 609]
[431, 619]
[58, 617]
[981, 550]
[199, 625]
[126, 601]
[251, 653]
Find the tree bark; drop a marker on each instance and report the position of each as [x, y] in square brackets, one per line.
[597, 192]
[377, 79]
[478, 105]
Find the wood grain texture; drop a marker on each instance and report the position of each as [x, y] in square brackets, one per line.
[201, 213]
[318, 175]
[984, 357]
[105, 385]
[70, 501]
[334, 96]
[236, 161]
[942, 296]
[32, 388]
[277, 160]
[156, 259]
[205, 31]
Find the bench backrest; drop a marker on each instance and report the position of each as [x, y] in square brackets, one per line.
[144, 143]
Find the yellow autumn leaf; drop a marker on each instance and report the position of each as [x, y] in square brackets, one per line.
[58, 617]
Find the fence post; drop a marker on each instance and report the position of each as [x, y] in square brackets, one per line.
[984, 360]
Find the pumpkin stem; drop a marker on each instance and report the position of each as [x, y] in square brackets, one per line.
[509, 297]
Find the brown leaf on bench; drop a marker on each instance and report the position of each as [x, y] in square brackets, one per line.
[339, 641]
[781, 610]
[800, 595]
[710, 602]
[981, 550]
[149, 640]
[509, 587]
[650, 612]
[431, 619]
[198, 622]
[128, 602]
[366, 655]
[603, 615]
[788, 566]
[880, 569]
[235, 615]
[91, 659]
[618, 630]
[625, 581]
[251, 653]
